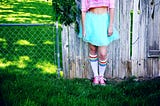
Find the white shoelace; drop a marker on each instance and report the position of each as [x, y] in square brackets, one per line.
[102, 78]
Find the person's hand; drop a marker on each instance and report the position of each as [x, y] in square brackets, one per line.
[110, 31]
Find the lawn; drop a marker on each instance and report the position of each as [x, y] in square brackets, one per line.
[26, 11]
[24, 47]
[42, 89]
[28, 66]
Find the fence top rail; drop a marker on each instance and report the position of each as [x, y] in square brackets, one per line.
[26, 24]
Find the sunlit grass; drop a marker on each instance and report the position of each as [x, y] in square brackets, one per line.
[24, 42]
[24, 49]
[47, 67]
[21, 62]
[16, 12]
[28, 73]
[4, 64]
[22, 17]
[24, 61]
[2, 40]
[48, 42]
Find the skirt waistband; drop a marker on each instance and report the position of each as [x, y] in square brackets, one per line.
[89, 12]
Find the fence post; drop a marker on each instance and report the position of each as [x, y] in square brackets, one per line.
[57, 45]
[58, 50]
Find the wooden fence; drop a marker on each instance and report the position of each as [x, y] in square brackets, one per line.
[137, 53]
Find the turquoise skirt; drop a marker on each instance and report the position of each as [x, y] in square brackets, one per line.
[96, 27]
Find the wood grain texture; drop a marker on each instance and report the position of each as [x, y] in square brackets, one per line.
[145, 38]
[65, 55]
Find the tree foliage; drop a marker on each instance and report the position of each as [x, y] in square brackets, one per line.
[66, 11]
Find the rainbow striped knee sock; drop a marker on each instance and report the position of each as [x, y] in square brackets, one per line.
[102, 67]
[94, 64]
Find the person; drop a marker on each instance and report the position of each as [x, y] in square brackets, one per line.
[96, 28]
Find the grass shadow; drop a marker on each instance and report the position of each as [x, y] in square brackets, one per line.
[28, 47]
[32, 11]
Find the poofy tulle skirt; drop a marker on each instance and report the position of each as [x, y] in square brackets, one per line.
[96, 27]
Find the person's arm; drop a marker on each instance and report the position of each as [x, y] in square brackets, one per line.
[110, 28]
[111, 13]
[83, 23]
[84, 10]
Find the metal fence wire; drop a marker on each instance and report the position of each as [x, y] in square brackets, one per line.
[28, 36]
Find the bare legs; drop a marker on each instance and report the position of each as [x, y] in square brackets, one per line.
[98, 60]
[101, 51]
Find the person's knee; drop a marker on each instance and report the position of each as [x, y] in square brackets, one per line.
[93, 50]
[102, 56]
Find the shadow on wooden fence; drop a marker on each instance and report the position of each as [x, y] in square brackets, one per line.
[135, 54]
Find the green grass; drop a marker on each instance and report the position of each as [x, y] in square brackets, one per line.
[28, 47]
[26, 11]
[36, 89]
[28, 66]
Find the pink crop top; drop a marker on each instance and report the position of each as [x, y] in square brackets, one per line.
[87, 4]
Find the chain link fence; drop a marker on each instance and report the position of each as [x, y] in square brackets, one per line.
[28, 38]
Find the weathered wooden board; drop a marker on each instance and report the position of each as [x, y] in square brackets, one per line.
[145, 38]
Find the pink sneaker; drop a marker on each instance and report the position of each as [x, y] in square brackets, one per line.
[102, 80]
[95, 80]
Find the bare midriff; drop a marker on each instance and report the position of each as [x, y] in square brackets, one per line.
[99, 10]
